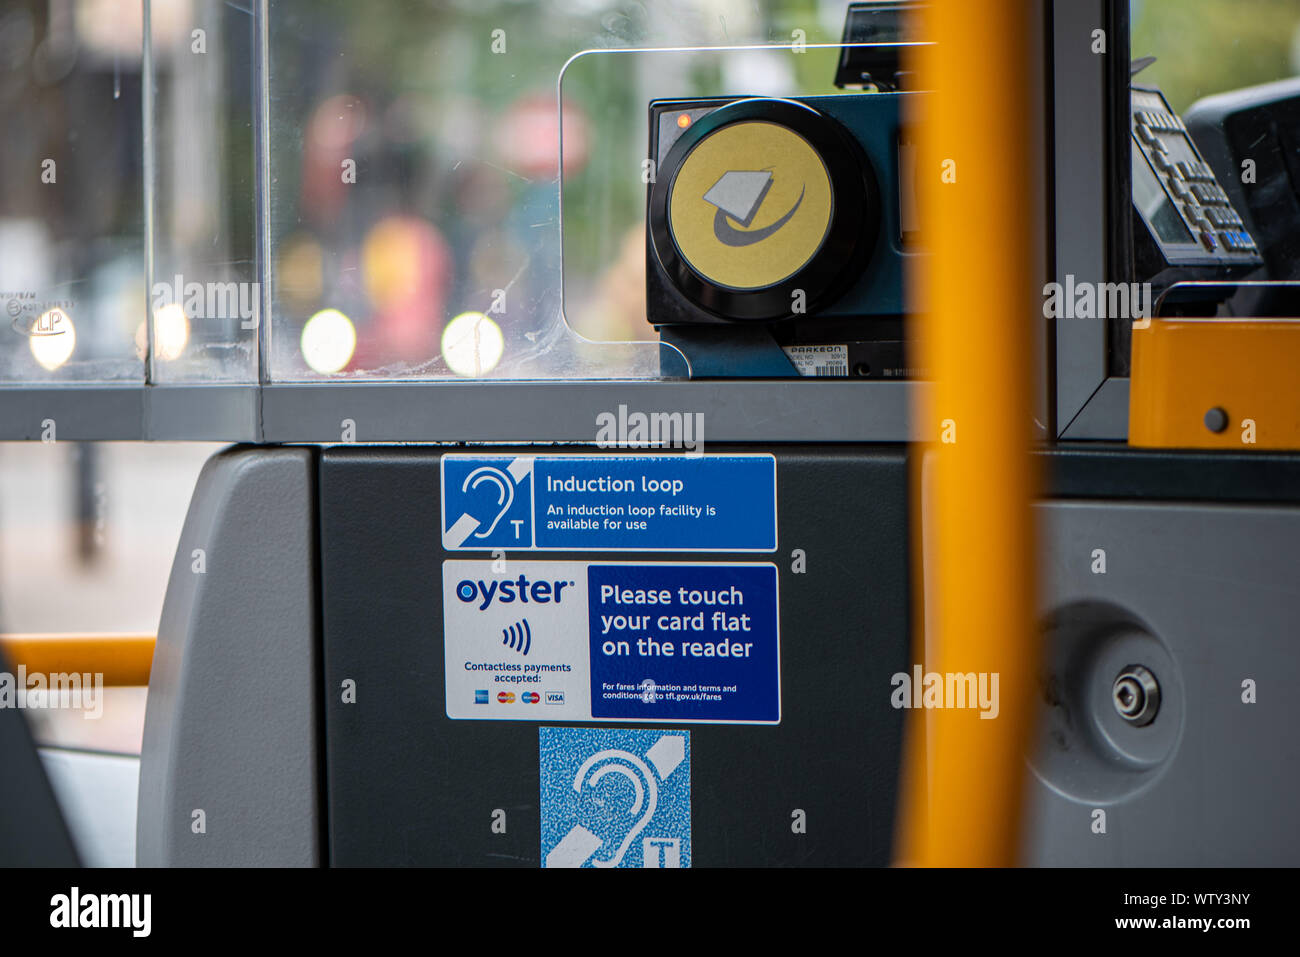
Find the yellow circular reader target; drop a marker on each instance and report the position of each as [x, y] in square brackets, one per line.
[751, 205]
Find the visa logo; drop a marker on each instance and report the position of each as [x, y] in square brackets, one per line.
[512, 589]
[555, 697]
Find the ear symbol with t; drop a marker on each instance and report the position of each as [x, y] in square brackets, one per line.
[505, 493]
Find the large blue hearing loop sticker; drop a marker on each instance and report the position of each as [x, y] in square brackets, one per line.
[615, 797]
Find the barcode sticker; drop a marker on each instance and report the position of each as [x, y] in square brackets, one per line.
[819, 360]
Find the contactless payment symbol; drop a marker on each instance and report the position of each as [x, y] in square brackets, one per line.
[615, 797]
[738, 195]
[750, 226]
[487, 502]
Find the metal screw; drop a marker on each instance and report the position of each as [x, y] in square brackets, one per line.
[1136, 695]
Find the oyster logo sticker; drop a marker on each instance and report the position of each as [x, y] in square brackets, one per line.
[750, 205]
[738, 195]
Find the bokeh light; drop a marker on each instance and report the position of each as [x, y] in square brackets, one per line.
[53, 339]
[328, 340]
[472, 344]
[171, 332]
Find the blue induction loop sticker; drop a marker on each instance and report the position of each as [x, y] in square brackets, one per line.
[488, 502]
[615, 797]
[609, 502]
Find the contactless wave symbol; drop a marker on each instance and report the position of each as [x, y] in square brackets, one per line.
[518, 636]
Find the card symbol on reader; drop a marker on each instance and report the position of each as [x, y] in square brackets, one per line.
[739, 195]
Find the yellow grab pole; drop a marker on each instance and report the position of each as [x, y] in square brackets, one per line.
[121, 659]
[976, 169]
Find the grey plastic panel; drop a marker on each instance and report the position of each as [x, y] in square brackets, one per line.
[1079, 108]
[1210, 593]
[1038, 183]
[1105, 416]
[470, 411]
[32, 829]
[407, 785]
[734, 411]
[130, 412]
[231, 720]
[203, 413]
[78, 413]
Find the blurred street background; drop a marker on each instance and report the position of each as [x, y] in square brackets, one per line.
[86, 548]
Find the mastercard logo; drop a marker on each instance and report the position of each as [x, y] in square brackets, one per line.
[505, 697]
[530, 697]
